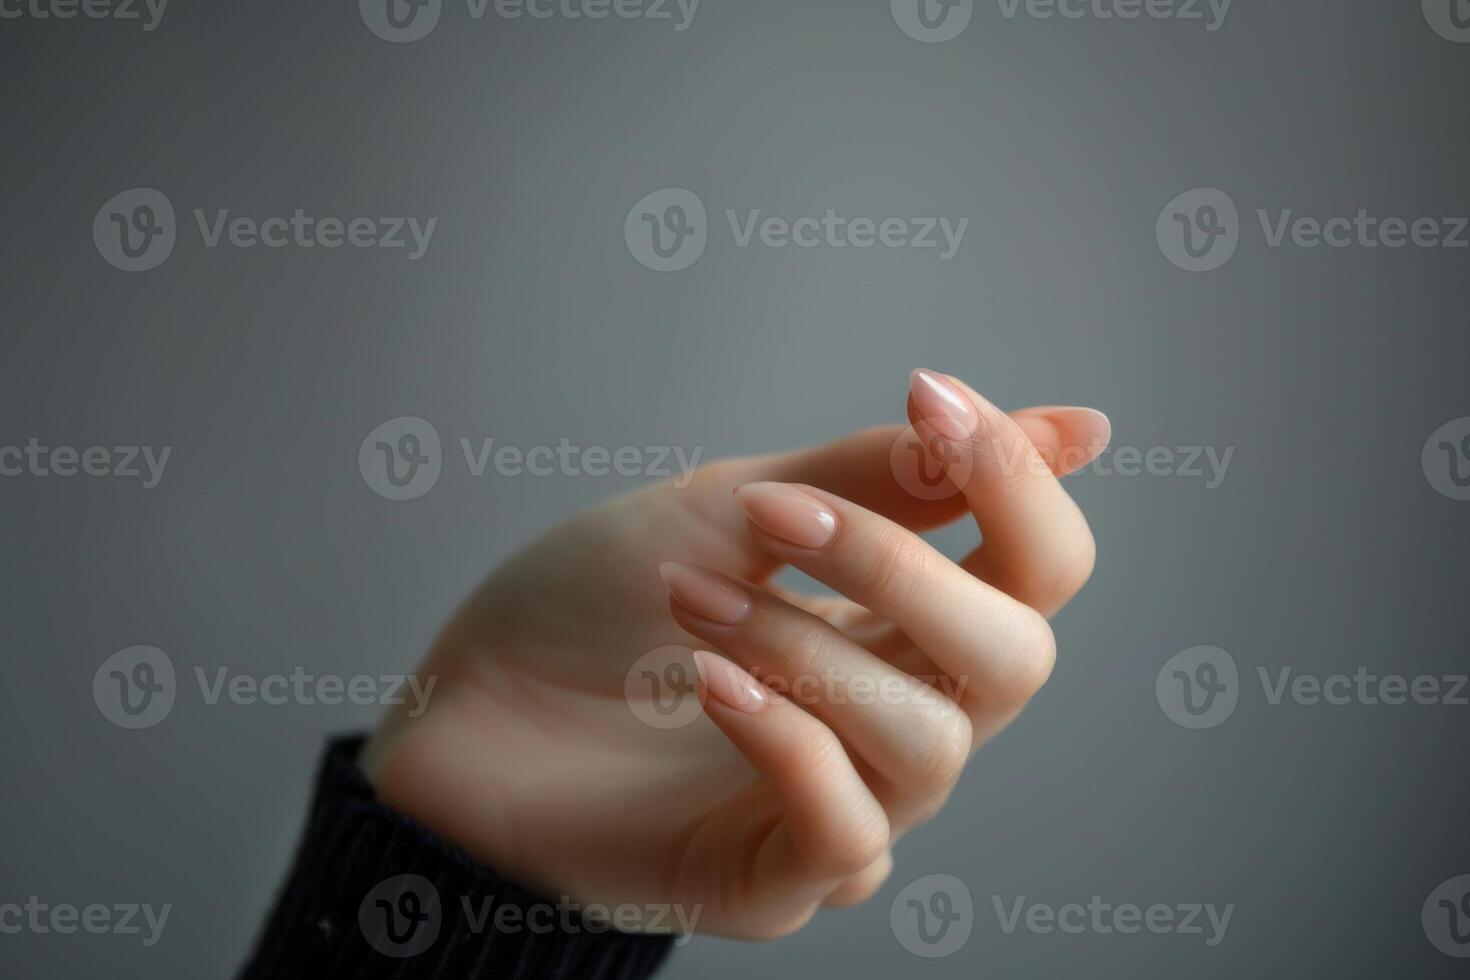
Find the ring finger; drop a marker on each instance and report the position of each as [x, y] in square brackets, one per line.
[905, 730]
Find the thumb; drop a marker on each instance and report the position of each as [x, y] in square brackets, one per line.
[1067, 437]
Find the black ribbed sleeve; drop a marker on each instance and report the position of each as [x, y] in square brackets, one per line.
[374, 895]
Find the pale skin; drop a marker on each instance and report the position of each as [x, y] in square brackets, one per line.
[765, 808]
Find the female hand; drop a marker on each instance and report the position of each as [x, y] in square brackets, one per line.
[763, 807]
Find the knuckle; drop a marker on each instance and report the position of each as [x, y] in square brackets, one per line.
[896, 563]
[816, 752]
[781, 928]
[1003, 453]
[863, 885]
[1035, 661]
[1075, 570]
[946, 751]
[855, 845]
[1031, 667]
[805, 649]
[716, 474]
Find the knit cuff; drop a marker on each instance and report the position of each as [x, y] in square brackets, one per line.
[373, 894]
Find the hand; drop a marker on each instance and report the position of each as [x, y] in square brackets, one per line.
[765, 806]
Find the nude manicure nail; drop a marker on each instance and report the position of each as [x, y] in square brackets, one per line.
[785, 512]
[729, 684]
[936, 398]
[1089, 426]
[706, 593]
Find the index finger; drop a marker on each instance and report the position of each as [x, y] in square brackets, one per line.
[1036, 544]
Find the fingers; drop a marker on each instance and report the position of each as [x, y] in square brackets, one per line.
[906, 731]
[832, 826]
[1066, 437]
[996, 650]
[1037, 545]
[861, 886]
[859, 467]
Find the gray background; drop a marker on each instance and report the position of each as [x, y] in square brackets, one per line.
[1325, 548]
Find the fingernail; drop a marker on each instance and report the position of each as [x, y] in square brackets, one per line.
[785, 512]
[729, 684]
[706, 593]
[1088, 426]
[936, 397]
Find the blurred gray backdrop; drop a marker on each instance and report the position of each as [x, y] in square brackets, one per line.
[1335, 543]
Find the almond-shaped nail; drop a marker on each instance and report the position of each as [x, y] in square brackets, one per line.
[1086, 426]
[936, 398]
[785, 512]
[729, 684]
[706, 593]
